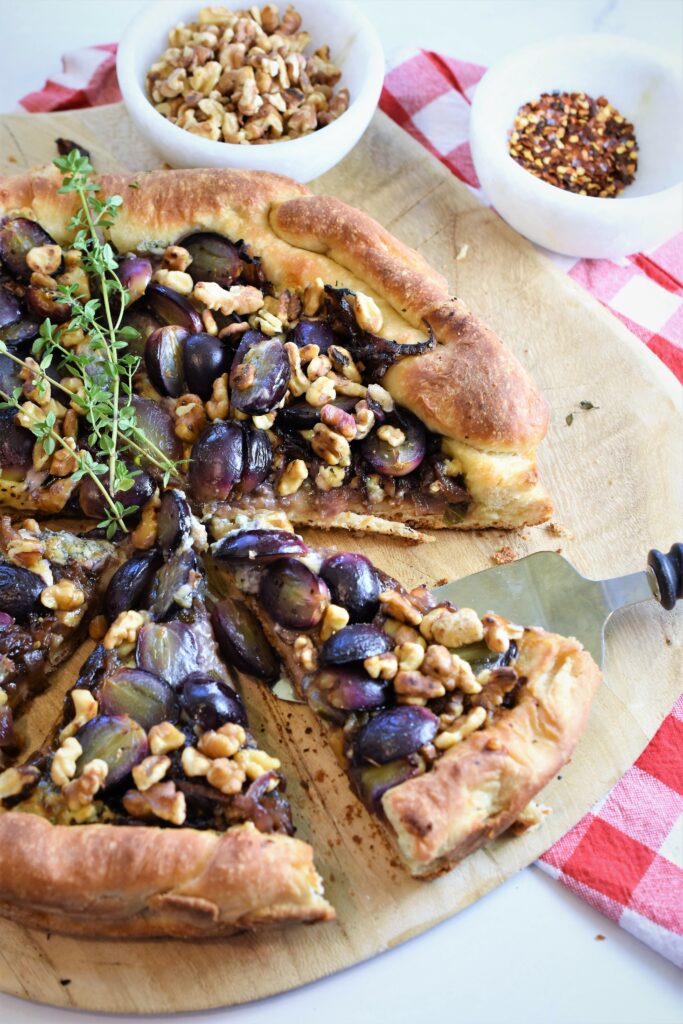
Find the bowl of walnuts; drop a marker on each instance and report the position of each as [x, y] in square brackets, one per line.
[272, 88]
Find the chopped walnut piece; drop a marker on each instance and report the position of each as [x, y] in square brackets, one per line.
[328, 478]
[330, 446]
[292, 478]
[417, 684]
[14, 780]
[340, 421]
[63, 767]
[225, 742]
[218, 406]
[241, 299]
[161, 800]
[124, 629]
[410, 656]
[256, 762]
[85, 709]
[176, 258]
[498, 632]
[452, 627]
[368, 314]
[164, 738]
[400, 607]
[226, 775]
[381, 666]
[334, 618]
[178, 280]
[81, 791]
[305, 653]
[44, 259]
[150, 771]
[462, 727]
[190, 418]
[194, 764]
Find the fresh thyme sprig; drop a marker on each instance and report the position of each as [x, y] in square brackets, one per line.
[101, 364]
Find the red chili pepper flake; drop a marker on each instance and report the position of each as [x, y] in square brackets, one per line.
[576, 143]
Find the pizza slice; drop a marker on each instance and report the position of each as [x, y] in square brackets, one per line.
[151, 810]
[449, 724]
[294, 352]
[50, 585]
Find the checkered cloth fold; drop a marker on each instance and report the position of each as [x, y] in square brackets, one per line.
[625, 857]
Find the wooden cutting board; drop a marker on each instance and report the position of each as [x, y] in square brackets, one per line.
[615, 475]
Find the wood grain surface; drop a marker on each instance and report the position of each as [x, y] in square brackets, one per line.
[617, 491]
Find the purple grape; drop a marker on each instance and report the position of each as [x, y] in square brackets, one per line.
[271, 369]
[258, 458]
[18, 235]
[312, 332]
[211, 703]
[115, 739]
[20, 590]
[23, 330]
[302, 416]
[130, 583]
[176, 573]
[352, 689]
[164, 359]
[172, 308]
[355, 643]
[258, 546]
[217, 461]
[242, 641]
[92, 501]
[5, 620]
[141, 320]
[16, 443]
[393, 734]
[214, 258]
[156, 424]
[45, 305]
[168, 650]
[373, 781]
[204, 359]
[10, 308]
[400, 461]
[134, 273]
[353, 584]
[293, 595]
[174, 520]
[147, 699]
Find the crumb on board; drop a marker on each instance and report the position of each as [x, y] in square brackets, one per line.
[599, 938]
[11, 159]
[462, 252]
[558, 530]
[503, 555]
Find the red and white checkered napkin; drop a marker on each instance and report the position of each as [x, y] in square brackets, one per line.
[626, 856]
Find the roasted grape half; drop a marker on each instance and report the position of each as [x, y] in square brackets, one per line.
[242, 641]
[400, 459]
[217, 461]
[144, 697]
[210, 703]
[118, 740]
[259, 374]
[293, 595]
[353, 584]
[393, 734]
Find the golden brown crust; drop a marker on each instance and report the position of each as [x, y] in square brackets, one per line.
[478, 788]
[139, 882]
[470, 388]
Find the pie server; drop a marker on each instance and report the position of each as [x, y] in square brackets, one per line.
[545, 590]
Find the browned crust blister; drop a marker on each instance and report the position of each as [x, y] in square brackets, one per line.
[469, 388]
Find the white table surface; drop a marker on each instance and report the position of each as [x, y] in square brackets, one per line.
[527, 953]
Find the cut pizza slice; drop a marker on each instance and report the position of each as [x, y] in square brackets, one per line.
[151, 810]
[51, 583]
[449, 724]
[294, 350]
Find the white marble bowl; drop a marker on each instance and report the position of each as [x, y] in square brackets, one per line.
[354, 45]
[645, 85]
